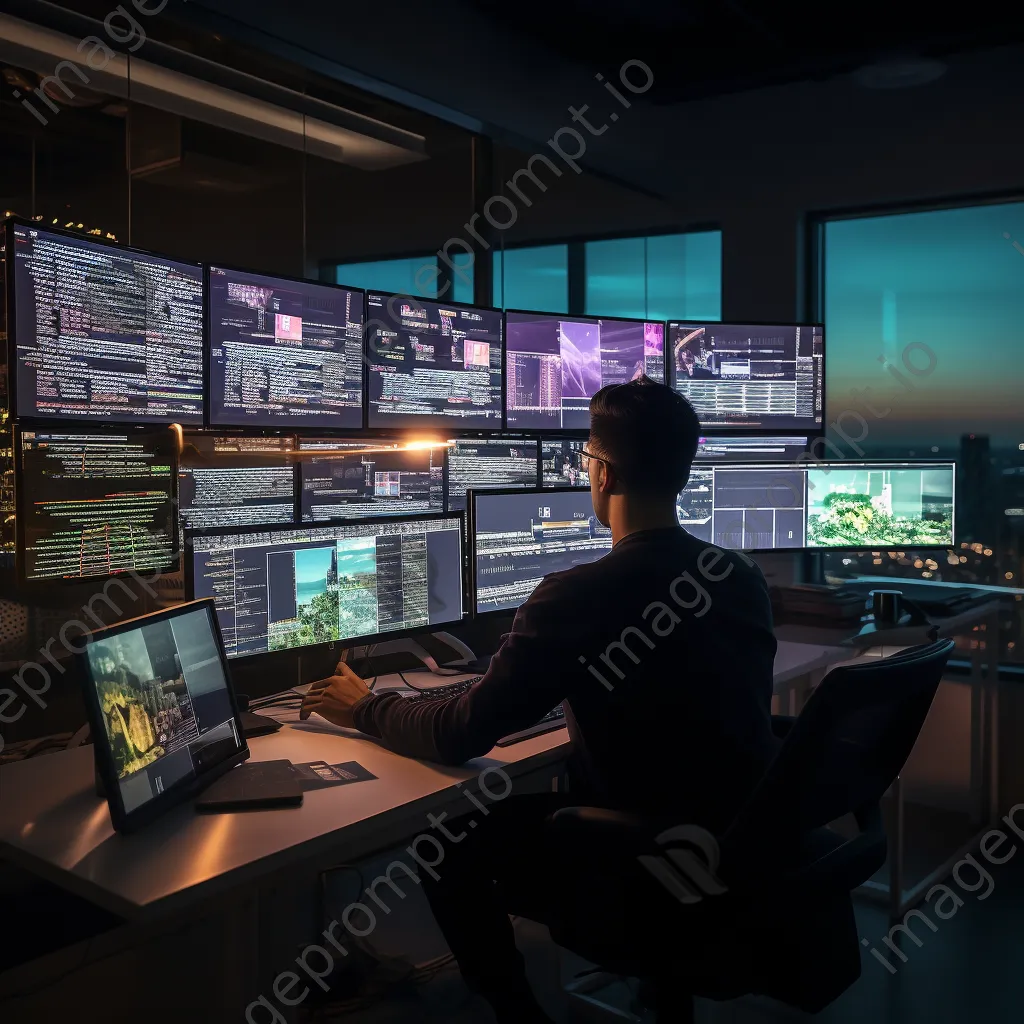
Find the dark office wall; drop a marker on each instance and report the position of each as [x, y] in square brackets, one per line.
[753, 162]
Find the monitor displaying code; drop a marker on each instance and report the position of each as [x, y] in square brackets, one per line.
[841, 505]
[432, 364]
[355, 480]
[284, 353]
[561, 463]
[96, 504]
[520, 537]
[749, 376]
[105, 333]
[556, 364]
[235, 481]
[750, 449]
[286, 588]
[481, 464]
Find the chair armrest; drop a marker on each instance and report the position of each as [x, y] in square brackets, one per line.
[782, 725]
[617, 830]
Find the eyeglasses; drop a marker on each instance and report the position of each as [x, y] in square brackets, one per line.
[585, 458]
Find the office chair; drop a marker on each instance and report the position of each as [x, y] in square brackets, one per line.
[775, 916]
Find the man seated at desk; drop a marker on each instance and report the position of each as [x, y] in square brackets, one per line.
[662, 652]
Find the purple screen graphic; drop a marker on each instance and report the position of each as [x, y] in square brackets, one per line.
[557, 364]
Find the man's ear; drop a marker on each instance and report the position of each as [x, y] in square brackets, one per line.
[609, 479]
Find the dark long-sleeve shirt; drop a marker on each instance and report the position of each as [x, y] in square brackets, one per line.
[663, 653]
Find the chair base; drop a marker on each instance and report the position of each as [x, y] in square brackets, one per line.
[590, 1002]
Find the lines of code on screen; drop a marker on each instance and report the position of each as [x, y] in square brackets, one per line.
[95, 505]
[235, 481]
[740, 375]
[284, 353]
[104, 333]
[432, 363]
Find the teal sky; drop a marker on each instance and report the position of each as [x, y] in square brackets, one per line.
[948, 279]
[311, 565]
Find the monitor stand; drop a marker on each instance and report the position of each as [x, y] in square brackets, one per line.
[404, 652]
[409, 645]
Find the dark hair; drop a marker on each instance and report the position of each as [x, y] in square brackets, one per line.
[648, 433]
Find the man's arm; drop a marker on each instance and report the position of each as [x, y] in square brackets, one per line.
[534, 670]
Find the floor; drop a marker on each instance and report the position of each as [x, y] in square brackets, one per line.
[967, 970]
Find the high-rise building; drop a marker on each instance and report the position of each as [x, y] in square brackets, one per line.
[975, 518]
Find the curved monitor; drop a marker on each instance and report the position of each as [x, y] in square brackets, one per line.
[278, 588]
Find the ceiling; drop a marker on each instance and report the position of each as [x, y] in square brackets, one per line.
[708, 48]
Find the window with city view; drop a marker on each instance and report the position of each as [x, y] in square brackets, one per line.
[924, 317]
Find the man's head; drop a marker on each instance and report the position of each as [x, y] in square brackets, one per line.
[643, 437]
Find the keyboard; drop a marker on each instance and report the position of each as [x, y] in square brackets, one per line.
[554, 719]
[443, 691]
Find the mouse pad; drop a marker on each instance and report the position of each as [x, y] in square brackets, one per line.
[320, 774]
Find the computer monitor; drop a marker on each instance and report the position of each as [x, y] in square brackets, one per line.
[887, 505]
[749, 507]
[163, 716]
[278, 588]
[360, 479]
[561, 463]
[432, 363]
[750, 449]
[557, 363]
[92, 504]
[850, 506]
[481, 464]
[236, 481]
[518, 537]
[284, 352]
[103, 332]
[749, 376]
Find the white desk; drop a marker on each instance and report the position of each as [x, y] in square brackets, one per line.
[228, 875]
[52, 822]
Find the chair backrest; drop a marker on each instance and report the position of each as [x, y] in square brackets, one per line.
[846, 748]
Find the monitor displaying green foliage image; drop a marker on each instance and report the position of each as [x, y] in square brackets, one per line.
[880, 507]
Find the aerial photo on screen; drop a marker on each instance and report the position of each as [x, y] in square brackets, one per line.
[315, 601]
[143, 698]
[864, 507]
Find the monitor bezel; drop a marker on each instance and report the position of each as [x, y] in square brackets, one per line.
[12, 331]
[433, 422]
[501, 439]
[304, 426]
[810, 464]
[20, 564]
[343, 643]
[582, 318]
[471, 539]
[812, 430]
[130, 821]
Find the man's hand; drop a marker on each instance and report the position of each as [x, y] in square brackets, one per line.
[333, 698]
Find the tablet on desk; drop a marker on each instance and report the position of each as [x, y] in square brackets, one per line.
[164, 719]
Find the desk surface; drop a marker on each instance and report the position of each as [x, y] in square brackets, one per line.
[52, 823]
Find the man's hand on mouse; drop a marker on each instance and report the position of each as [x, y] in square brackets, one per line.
[334, 697]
